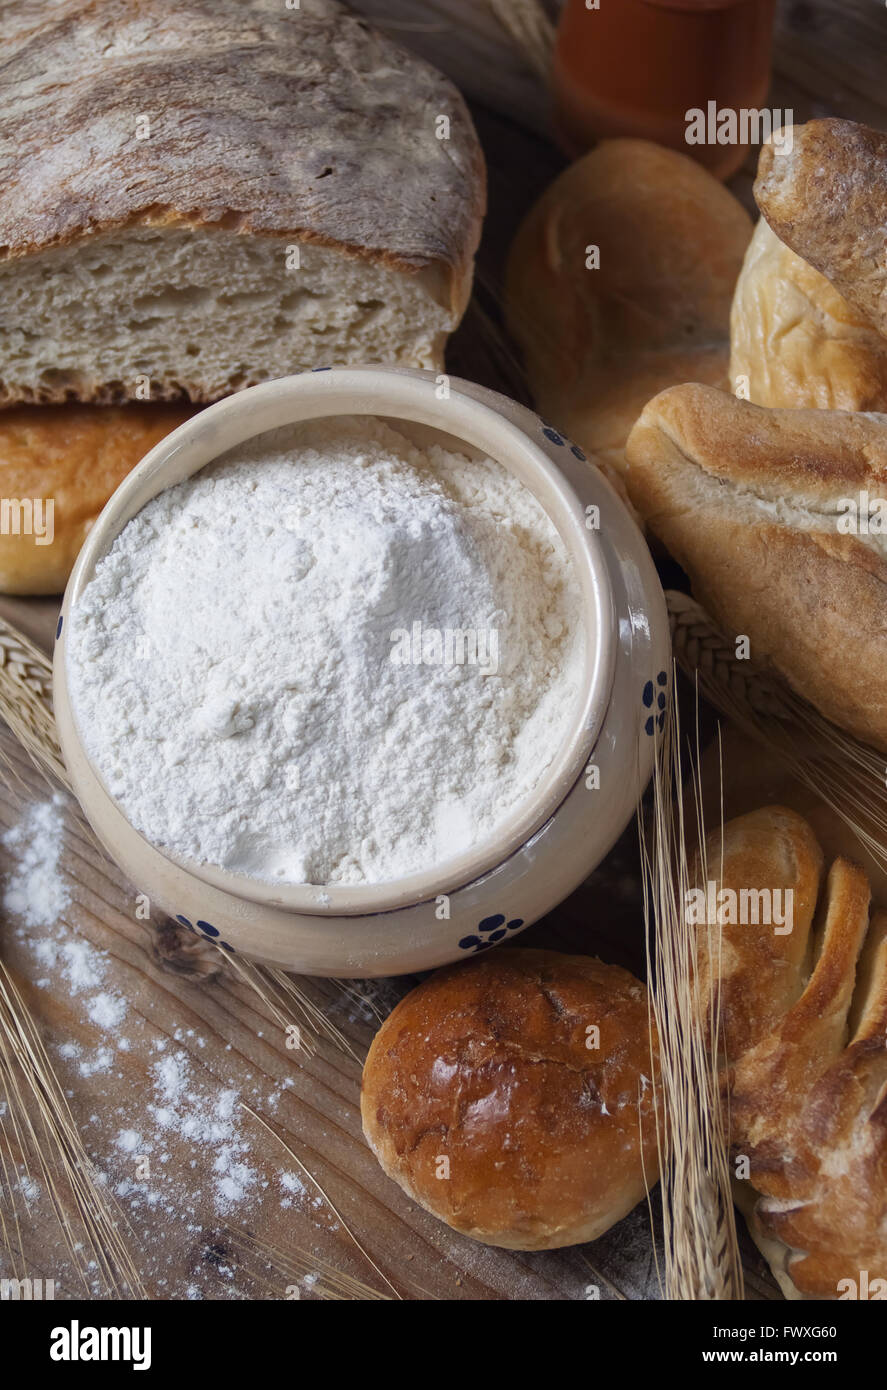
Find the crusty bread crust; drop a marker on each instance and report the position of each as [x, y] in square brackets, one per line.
[487, 1064]
[761, 973]
[305, 125]
[598, 343]
[795, 342]
[77, 456]
[826, 198]
[747, 500]
[803, 1023]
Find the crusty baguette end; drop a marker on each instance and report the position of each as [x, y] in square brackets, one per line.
[749, 501]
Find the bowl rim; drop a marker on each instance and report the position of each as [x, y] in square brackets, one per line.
[413, 397]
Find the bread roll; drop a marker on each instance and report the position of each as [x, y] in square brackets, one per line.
[825, 196]
[803, 1019]
[201, 196]
[73, 457]
[748, 501]
[598, 343]
[483, 1099]
[795, 342]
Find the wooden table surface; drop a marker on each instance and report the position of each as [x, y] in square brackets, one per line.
[189, 1017]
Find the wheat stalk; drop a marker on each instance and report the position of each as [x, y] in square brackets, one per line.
[294, 1265]
[701, 1247]
[37, 1131]
[325, 1195]
[289, 1004]
[26, 701]
[845, 773]
[528, 25]
[37, 1128]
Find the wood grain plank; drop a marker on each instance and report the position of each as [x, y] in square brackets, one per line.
[828, 59]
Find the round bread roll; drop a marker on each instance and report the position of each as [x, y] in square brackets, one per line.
[511, 1097]
[795, 341]
[599, 342]
[74, 457]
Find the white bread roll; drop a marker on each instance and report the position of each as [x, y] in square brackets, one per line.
[825, 196]
[599, 342]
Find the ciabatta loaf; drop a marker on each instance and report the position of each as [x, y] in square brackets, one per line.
[200, 196]
[803, 1032]
[778, 517]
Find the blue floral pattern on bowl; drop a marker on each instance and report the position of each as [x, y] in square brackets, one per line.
[207, 930]
[560, 440]
[650, 694]
[492, 929]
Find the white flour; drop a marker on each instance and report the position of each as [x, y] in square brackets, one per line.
[256, 666]
[35, 891]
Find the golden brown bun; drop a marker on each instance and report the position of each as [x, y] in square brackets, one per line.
[795, 342]
[76, 455]
[826, 198]
[804, 1029]
[486, 1065]
[598, 343]
[747, 500]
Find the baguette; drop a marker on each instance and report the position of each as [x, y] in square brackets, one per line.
[749, 502]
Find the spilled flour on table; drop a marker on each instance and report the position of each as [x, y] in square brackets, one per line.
[106, 1010]
[206, 1120]
[292, 1184]
[176, 1153]
[29, 1188]
[35, 891]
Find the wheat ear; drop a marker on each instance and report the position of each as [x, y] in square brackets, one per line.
[701, 1245]
[26, 701]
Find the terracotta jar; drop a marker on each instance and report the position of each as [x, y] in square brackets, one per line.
[638, 67]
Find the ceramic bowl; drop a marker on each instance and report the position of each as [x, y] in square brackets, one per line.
[581, 804]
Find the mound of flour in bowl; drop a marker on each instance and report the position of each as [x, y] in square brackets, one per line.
[329, 657]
